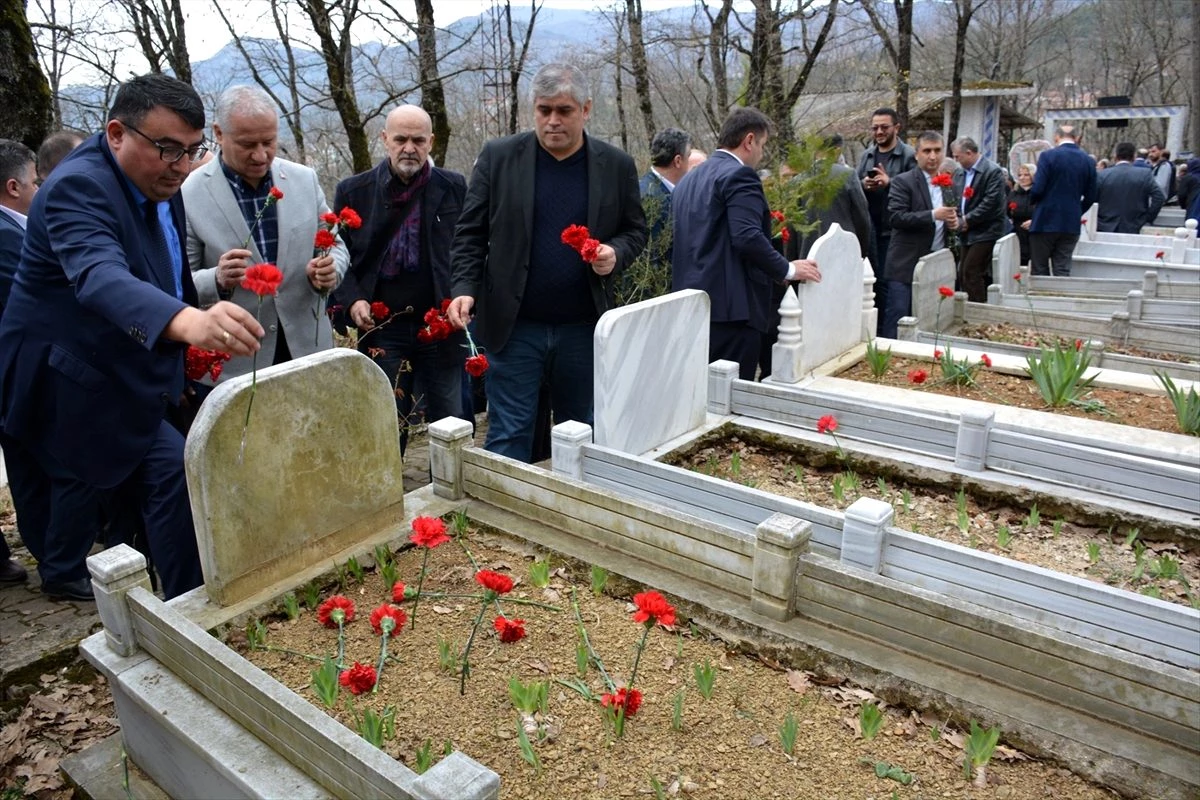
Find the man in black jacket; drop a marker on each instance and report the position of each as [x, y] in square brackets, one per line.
[982, 198]
[400, 257]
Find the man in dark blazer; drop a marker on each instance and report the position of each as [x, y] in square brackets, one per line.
[669, 152]
[538, 300]
[723, 241]
[919, 218]
[1127, 197]
[86, 398]
[401, 258]
[983, 199]
[1063, 190]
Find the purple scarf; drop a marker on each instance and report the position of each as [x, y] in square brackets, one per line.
[403, 252]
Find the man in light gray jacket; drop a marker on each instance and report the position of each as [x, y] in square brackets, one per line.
[233, 222]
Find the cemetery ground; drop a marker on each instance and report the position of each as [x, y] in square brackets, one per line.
[727, 745]
[1160, 563]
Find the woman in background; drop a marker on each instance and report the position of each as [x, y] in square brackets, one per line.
[1020, 207]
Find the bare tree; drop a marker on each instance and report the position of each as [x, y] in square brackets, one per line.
[964, 10]
[72, 39]
[332, 21]
[897, 47]
[641, 73]
[158, 26]
[24, 93]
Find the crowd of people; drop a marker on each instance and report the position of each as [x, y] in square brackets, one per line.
[142, 239]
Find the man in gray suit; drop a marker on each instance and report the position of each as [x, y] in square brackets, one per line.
[227, 203]
[983, 199]
[1128, 197]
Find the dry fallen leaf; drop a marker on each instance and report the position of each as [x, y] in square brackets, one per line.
[757, 740]
[539, 665]
[798, 681]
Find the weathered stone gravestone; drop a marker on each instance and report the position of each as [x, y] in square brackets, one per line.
[320, 470]
[820, 321]
[931, 273]
[1006, 263]
[651, 370]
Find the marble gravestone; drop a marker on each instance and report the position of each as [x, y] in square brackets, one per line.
[320, 471]
[1006, 264]
[931, 273]
[651, 371]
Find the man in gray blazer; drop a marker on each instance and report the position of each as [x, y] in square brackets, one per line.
[983, 199]
[1128, 197]
[227, 202]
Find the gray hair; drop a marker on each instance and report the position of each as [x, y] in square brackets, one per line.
[15, 158]
[243, 99]
[965, 143]
[555, 79]
[667, 144]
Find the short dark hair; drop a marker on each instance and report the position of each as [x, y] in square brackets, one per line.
[1124, 151]
[833, 141]
[742, 120]
[14, 157]
[140, 95]
[55, 148]
[887, 112]
[667, 144]
[930, 136]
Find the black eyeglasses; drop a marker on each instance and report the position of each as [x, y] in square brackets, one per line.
[173, 152]
[881, 127]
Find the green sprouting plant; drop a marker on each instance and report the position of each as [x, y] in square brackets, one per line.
[539, 573]
[710, 466]
[907, 499]
[423, 757]
[677, 711]
[599, 580]
[705, 674]
[980, 746]
[735, 463]
[1033, 519]
[1187, 406]
[529, 697]
[256, 634]
[886, 770]
[371, 726]
[312, 595]
[383, 555]
[870, 720]
[1093, 552]
[1132, 536]
[787, 733]
[325, 682]
[960, 503]
[656, 786]
[388, 573]
[354, 569]
[881, 487]
[839, 488]
[1058, 526]
[447, 748]
[1165, 567]
[291, 605]
[1152, 591]
[581, 660]
[1003, 536]
[649, 275]
[878, 360]
[459, 523]
[447, 656]
[955, 371]
[853, 482]
[529, 755]
[1058, 373]
[1139, 561]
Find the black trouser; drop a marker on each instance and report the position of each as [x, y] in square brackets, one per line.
[975, 270]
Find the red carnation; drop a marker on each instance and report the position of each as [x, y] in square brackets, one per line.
[324, 239]
[379, 310]
[262, 279]
[942, 179]
[350, 218]
[198, 362]
[987, 362]
[329, 218]
[590, 250]
[428, 532]
[945, 291]
[477, 365]
[1159, 255]
[827, 424]
[399, 592]
[653, 608]
[510, 630]
[785, 235]
[968, 193]
[338, 602]
[424, 336]
[276, 193]
[397, 616]
[631, 699]
[1078, 344]
[1012, 206]
[937, 355]
[494, 581]
[777, 216]
[358, 678]
[575, 235]
[1017, 277]
[917, 375]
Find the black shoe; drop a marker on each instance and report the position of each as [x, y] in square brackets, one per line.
[69, 590]
[12, 572]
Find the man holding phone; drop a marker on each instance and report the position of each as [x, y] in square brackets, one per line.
[879, 164]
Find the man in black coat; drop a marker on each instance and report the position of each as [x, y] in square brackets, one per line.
[982, 194]
[537, 299]
[1128, 197]
[400, 257]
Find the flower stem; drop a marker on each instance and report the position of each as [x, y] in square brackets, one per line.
[637, 656]
[515, 600]
[383, 640]
[341, 659]
[412, 620]
[253, 387]
[273, 649]
[466, 664]
[587, 643]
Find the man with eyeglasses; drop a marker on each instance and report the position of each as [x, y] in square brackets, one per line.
[92, 342]
[886, 158]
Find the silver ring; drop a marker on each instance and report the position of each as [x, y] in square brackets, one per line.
[225, 335]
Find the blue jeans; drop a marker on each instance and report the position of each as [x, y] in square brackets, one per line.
[537, 351]
[899, 304]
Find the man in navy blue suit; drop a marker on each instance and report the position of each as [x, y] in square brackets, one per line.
[93, 337]
[1064, 188]
[723, 244]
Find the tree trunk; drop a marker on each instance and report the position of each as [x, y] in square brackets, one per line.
[516, 61]
[433, 94]
[336, 51]
[1195, 143]
[160, 35]
[24, 93]
[620, 92]
[641, 73]
[904, 36]
[963, 11]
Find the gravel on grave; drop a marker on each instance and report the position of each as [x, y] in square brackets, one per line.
[728, 747]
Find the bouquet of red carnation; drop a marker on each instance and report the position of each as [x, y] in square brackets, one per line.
[943, 180]
[579, 239]
[198, 362]
[437, 324]
[326, 240]
[779, 227]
